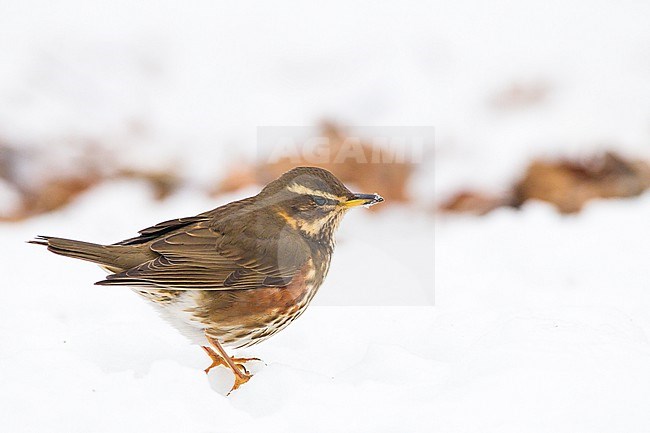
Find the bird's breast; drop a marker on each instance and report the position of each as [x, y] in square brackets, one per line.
[263, 302]
[245, 317]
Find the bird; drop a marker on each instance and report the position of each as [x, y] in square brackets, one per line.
[235, 275]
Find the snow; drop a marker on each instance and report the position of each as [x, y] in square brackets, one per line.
[540, 324]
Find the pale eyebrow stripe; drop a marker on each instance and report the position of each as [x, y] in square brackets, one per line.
[301, 189]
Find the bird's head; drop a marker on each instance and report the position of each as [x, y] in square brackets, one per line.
[313, 201]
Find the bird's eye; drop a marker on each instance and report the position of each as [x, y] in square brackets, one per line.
[318, 200]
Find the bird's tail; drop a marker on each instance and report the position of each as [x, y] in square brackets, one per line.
[101, 254]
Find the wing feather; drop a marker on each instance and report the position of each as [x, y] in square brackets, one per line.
[198, 257]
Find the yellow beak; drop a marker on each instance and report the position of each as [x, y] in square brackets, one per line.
[363, 200]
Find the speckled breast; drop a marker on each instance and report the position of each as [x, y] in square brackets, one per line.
[242, 318]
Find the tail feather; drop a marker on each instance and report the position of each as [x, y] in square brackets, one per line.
[95, 253]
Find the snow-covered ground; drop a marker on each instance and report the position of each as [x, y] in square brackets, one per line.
[540, 324]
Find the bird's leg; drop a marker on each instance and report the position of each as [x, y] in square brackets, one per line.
[216, 359]
[241, 374]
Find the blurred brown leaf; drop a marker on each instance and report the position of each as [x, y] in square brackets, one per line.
[57, 189]
[567, 184]
[55, 194]
[164, 183]
[473, 202]
[570, 184]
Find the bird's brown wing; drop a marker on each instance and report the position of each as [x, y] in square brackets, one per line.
[161, 229]
[199, 257]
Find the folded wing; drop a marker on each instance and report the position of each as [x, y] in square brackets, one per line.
[200, 257]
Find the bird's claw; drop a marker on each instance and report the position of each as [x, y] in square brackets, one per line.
[240, 379]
